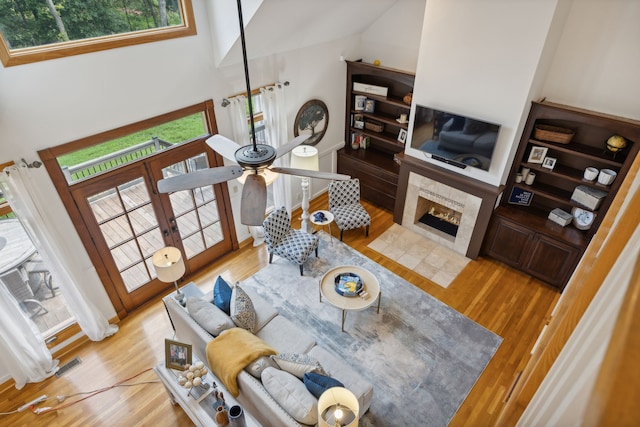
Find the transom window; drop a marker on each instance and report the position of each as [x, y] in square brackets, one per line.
[96, 159]
[36, 30]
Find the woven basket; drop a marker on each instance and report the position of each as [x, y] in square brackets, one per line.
[374, 126]
[553, 134]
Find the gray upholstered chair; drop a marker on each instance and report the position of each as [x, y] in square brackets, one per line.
[344, 204]
[281, 239]
[18, 285]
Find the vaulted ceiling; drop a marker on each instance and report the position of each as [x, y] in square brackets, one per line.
[276, 26]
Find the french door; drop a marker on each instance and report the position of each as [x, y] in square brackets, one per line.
[129, 220]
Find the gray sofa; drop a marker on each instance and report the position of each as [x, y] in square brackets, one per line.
[281, 334]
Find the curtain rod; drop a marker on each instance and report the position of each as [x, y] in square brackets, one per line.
[225, 101]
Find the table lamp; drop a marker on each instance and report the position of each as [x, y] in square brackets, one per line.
[305, 157]
[338, 407]
[169, 267]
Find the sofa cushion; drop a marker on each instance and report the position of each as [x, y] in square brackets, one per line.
[285, 336]
[222, 295]
[256, 367]
[291, 394]
[210, 317]
[347, 374]
[298, 364]
[242, 312]
[318, 384]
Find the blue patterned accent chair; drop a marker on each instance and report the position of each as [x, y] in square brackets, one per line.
[344, 204]
[281, 239]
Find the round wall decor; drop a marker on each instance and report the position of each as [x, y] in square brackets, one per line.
[312, 119]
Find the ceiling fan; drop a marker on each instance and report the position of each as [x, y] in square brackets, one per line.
[254, 158]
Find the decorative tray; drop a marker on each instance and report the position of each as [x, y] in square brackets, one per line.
[348, 284]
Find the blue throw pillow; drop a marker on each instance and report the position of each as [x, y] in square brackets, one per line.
[318, 384]
[222, 295]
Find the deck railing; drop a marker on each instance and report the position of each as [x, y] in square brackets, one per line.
[101, 164]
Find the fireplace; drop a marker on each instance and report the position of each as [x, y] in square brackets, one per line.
[451, 213]
[440, 213]
[444, 206]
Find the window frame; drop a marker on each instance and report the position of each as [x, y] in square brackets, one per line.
[29, 55]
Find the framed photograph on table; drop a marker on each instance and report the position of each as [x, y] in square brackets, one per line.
[177, 355]
[402, 135]
[549, 163]
[537, 154]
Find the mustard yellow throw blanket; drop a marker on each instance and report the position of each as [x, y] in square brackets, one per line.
[231, 351]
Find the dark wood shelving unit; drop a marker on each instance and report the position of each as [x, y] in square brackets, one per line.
[375, 166]
[523, 236]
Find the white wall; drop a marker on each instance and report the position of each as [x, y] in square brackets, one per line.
[597, 60]
[480, 59]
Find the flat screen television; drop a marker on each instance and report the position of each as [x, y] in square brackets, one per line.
[454, 139]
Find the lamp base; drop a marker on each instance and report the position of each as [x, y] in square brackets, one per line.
[180, 296]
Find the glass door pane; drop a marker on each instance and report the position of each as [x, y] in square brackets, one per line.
[130, 228]
[196, 211]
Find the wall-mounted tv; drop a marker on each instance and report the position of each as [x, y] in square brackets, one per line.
[454, 139]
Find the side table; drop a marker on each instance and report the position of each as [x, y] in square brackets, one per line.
[326, 288]
[328, 220]
[201, 413]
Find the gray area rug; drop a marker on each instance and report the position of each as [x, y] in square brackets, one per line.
[421, 356]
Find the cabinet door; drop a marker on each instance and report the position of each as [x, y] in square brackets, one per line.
[509, 242]
[551, 260]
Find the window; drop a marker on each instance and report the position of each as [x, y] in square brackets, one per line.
[34, 31]
[107, 155]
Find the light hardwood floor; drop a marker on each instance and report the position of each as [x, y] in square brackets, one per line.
[509, 303]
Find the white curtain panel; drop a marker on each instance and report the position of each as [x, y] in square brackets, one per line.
[21, 191]
[22, 349]
[239, 119]
[275, 118]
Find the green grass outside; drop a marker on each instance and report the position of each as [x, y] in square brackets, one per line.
[177, 131]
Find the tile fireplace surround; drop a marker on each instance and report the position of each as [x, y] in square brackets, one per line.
[421, 182]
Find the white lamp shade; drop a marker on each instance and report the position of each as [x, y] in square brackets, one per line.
[168, 263]
[305, 157]
[268, 174]
[338, 404]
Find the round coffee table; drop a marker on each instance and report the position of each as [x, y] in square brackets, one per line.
[327, 290]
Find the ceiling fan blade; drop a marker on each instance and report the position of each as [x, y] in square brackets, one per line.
[199, 178]
[254, 200]
[284, 149]
[224, 146]
[311, 174]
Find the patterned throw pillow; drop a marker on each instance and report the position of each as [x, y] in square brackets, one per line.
[242, 312]
[318, 384]
[298, 364]
[222, 295]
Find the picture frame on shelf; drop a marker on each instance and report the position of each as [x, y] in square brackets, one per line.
[177, 354]
[537, 154]
[402, 135]
[359, 102]
[369, 105]
[549, 162]
[358, 121]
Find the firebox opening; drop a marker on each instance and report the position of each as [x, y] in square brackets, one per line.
[429, 213]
